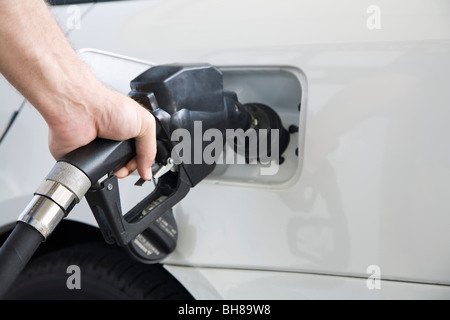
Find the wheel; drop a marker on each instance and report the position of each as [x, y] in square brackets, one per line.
[105, 272]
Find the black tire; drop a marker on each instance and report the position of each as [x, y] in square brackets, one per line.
[106, 273]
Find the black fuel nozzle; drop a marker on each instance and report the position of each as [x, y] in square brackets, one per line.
[187, 101]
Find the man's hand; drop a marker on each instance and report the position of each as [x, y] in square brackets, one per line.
[38, 60]
[105, 114]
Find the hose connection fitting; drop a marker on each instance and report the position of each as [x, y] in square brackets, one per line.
[61, 190]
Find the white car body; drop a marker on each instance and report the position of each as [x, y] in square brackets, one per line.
[365, 213]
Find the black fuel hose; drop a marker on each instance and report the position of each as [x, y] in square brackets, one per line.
[15, 253]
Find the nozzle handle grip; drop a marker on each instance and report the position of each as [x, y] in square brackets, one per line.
[101, 157]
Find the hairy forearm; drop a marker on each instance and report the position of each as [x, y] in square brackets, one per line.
[38, 60]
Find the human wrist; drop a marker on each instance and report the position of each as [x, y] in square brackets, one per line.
[68, 90]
